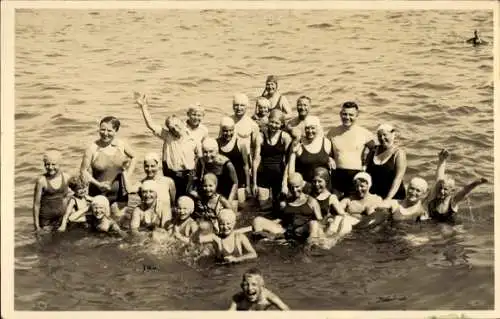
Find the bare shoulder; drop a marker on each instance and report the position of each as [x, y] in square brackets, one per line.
[334, 131]
[41, 181]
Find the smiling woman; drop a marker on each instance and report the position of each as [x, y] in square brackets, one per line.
[104, 163]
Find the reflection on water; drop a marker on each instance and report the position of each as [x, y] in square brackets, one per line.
[410, 68]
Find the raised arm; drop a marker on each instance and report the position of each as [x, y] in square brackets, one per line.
[400, 173]
[142, 101]
[443, 156]
[460, 195]
[37, 196]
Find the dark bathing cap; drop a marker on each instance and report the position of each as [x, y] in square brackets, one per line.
[272, 78]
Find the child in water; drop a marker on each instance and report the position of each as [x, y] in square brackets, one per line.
[78, 204]
[50, 197]
[254, 295]
[210, 203]
[444, 199]
[183, 227]
[100, 211]
[230, 246]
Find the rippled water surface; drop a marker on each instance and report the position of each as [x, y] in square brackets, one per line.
[408, 67]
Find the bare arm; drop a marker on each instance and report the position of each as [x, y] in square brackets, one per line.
[234, 178]
[334, 202]
[246, 164]
[166, 214]
[276, 301]
[233, 306]
[460, 195]
[39, 186]
[225, 203]
[315, 207]
[130, 154]
[85, 167]
[400, 173]
[287, 110]
[256, 159]
[443, 155]
[135, 222]
[171, 191]
[246, 246]
[143, 103]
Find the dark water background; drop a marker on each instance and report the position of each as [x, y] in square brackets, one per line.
[411, 68]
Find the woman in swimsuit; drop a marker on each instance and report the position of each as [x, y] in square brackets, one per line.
[221, 166]
[230, 246]
[444, 199]
[278, 101]
[231, 147]
[300, 217]
[313, 152]
[244, 127]
[150, 213]
[104, 163]
[386, 164]
[269, 163]
[50, 197]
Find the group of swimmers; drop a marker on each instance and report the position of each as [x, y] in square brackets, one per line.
[309, 185]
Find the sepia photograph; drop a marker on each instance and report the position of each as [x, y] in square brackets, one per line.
[262, 157]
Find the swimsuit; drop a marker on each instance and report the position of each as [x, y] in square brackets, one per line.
[383, 175]
[324, 205]
[447, 217]
[272, 166]
[52, 203]
[236, 158]
[307, 162]
[236, 251]
[225, 180]
[296, 220]
[108, 168]
[242, 304]
[342, 180]
[206, 212]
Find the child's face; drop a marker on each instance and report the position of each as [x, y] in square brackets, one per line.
[443, 190]
[274, 124]
[252, 287]
[51, 167]
[175, 126]
[183, 210]
[148, 196]
[81, 192]
[99, 211]
[262, 109]
[414, 193]
[150, 168]
[209, 187]
[226, 226]
[303, 107]
[348, 116]
[209, 154]
[319, 184]
[362, 187]
[227, 132]
[195, 117]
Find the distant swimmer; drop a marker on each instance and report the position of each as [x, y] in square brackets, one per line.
[476, 40]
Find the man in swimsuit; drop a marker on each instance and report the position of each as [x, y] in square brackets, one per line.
[295, 127]
[351, 143]
[254, 295]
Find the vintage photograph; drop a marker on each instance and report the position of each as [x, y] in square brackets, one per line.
[236, 159]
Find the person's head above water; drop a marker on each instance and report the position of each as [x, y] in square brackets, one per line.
[51, 160]
[226, 128]
[100, 206]
[417, 187]
[349, 113]
[262, 106]
[240, 103]
[271, 84]
[252, 284]
[386, 135]
[227, 221]
[362, 182]
[303, 106]
[445, 187]
[312, 127]
[185, 206]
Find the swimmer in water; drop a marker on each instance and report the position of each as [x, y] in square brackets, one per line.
[230, 246]
[254, 295]
[410, 208]
[276, 99]
[183, 227]
[78, 204]
[360, 203]
[100, 210]
[444, 199]
[476, 40]
[50, 197]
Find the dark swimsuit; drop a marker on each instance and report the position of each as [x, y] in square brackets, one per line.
[324, 205]
[272, 165]
[205, 212]
[52, 206]
[307, 162]
[295, 220]
[241, 302]
[225, 181]
[383, 175]
[448, 217]
[236, 158]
